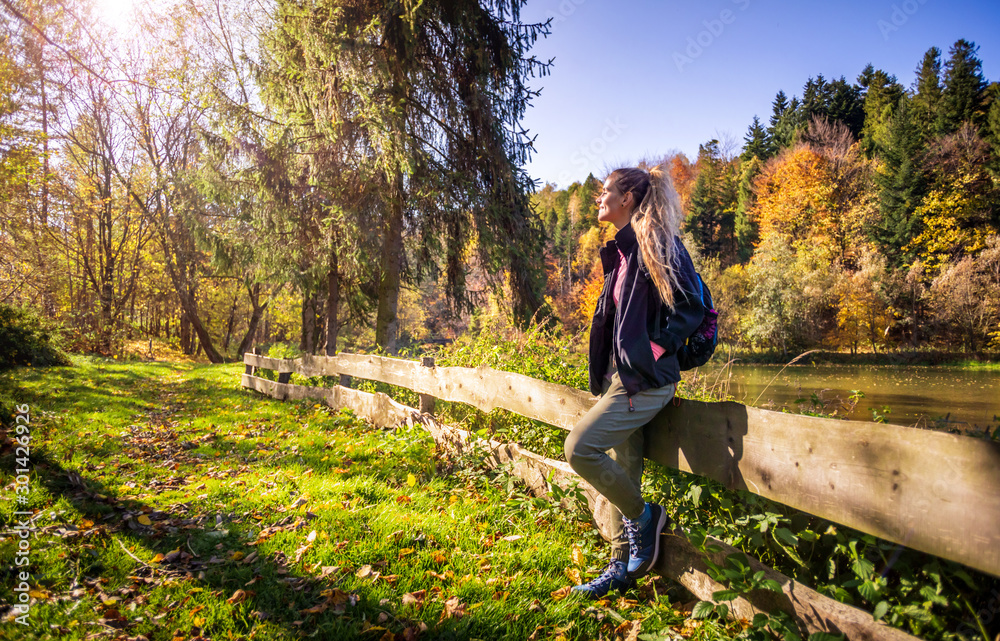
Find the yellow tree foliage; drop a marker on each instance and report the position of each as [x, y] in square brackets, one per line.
[956, 222]
[863, 315]
[794, 196]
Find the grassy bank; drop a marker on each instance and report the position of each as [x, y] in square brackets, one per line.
[167, 503]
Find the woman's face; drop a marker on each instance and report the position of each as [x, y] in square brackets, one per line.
[612, 206]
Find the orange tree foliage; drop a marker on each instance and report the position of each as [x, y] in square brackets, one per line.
[814, 196]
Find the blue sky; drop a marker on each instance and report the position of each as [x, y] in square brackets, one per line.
[641, 78]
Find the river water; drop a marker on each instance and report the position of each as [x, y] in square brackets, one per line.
[940, 397]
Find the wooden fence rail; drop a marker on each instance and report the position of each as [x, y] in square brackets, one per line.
[930, 491]
[934, 492]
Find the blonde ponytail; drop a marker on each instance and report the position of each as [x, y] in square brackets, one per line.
[656, 222]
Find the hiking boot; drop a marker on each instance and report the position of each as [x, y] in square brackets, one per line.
[614, 577]
[644, 542]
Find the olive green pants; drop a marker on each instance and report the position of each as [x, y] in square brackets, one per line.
[606, 448]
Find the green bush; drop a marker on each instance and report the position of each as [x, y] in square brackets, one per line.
[25, 340]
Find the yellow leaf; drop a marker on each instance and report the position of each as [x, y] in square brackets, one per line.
[199, 621]
[144, 520]
[38, 594]
[411, 480]
[577, 555]
[157, 558]
[573, 575]
[405, 552]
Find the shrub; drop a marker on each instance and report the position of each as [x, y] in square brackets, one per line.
[25, 340]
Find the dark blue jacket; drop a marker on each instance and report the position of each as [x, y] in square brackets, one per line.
[641, 317]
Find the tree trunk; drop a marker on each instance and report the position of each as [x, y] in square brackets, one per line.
[258, 311]
[332, 303]
[307, 342]
[184, 333]
[387, 321]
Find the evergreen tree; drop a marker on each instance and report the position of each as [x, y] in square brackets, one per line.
[712, 208]
[846, 104]
[993, 128]
[926, 90]
[756, 142]
[784, 118]
[437, 90]
[815, 98]
[882, 96]
[963, 95]
[745, 227]
[902, 185]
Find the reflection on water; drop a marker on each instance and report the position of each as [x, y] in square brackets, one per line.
[903, 395]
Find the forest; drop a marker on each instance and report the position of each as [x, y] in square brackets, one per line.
[337, 176]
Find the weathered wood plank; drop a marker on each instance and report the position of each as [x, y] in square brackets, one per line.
[680, 560]
[483, 387]
[934, 492]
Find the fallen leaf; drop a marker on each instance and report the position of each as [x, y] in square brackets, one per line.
[311, 537]
[629, 631]
[536, 606]
[513, 537]
[439, 558]
[238, 597]
[411, 480]
[414, 598]
[364, 572]
[573, 575]
[453, 607]
[578, 557]
[405, 552]
[561, 593]
[144, 520]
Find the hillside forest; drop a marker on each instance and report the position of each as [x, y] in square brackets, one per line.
[331, 176]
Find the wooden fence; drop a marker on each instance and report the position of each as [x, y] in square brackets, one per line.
[930, 491]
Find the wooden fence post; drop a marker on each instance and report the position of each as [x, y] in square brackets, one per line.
[250, 369]
[426, 400]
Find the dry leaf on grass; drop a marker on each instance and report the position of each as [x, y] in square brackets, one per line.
[238, 597]
[453, 607]
[561, 593]
[414, 598]
[573, 575]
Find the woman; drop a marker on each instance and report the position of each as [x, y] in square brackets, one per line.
[647, 309]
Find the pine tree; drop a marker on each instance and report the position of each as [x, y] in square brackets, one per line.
[927, 94]
[881, 98]
[745, 227]
[784, 118]
[712, 208]
[902, 186]
[437, 90]
[963, 95]
[756, 142]
[846, 105]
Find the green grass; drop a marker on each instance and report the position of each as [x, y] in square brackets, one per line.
[167, 502]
